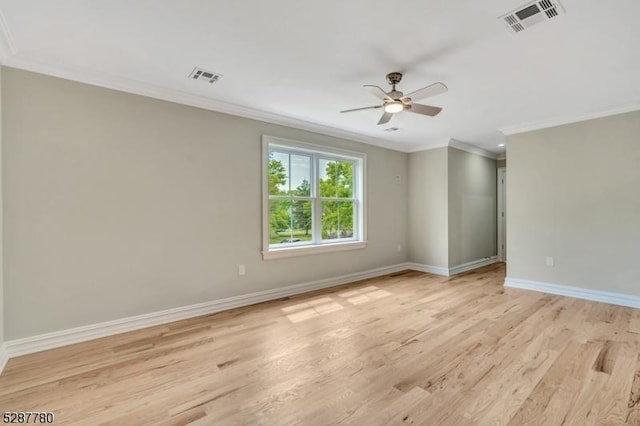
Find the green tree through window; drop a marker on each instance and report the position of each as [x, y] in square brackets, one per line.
[301, 212]
[336, 191]
[279, 217]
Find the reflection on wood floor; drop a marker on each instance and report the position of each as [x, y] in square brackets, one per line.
[411, 348]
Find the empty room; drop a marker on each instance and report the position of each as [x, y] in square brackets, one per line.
[315, 213]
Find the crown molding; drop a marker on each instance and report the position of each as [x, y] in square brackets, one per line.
[442, 143]
[157, 92]
[544, 124]
[9, 57]
[462, 146]
[453, 143]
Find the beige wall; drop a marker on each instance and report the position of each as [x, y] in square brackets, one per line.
[428, 183]
[1, 227]
[472, 207]
[452, 207]
[118, 205]
[574, 193]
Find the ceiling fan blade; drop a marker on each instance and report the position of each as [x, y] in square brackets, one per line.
[425, 92]
[386, 116]
[378, 92]
[423, 109]
[363, 108]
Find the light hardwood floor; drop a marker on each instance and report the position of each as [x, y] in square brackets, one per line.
[412, 348]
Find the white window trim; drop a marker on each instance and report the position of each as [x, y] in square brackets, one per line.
[360, 188]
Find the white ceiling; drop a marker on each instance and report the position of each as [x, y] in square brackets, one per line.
[300, 62]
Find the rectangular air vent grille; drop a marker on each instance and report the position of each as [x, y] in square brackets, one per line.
[204, 75]
[527, 12]
[531, 14]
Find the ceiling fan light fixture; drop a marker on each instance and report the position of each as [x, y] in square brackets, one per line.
[395, 101]
[393, 107]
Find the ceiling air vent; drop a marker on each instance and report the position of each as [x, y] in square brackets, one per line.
[532, 13]
[204, 75]
[392, 129]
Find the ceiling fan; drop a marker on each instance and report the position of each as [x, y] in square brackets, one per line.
[395, 101]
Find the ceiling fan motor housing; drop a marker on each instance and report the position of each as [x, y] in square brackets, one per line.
[394, 78]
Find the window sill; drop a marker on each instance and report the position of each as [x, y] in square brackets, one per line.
[307, 250]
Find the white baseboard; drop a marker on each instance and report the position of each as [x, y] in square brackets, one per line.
[437, 270]
[27, 345]
[4, 356]
[458, 269]
[577, 292]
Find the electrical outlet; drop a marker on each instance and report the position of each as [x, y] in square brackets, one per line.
[551, 261]
[399, 248]
[241, 270]
[398, 179]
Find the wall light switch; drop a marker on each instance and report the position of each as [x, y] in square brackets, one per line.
[550, 261]
[241, 270]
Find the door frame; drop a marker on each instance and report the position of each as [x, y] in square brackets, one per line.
[502, 213]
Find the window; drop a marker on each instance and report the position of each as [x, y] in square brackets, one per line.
[313, 199]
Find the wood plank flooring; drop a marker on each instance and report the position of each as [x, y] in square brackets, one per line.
[412, 348]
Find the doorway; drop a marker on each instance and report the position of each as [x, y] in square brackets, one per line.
[502, 214]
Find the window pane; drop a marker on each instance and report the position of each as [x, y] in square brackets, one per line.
[300, 175]
[337, 219]
[290, 222]
[278, 173]
[301, 214]
[336, 179]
